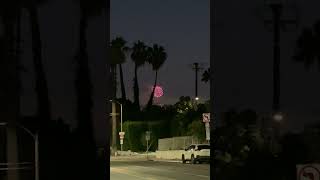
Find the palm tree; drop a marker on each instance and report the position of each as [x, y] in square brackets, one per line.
[118, 57]
[88, 9]
[10, 78]
[43, 112]
[156, 57]
[206, 76]
[139, 57]
[308, 46]
[83, 81]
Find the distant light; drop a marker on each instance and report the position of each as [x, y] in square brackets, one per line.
[278, 117]
[197, 98]
[3, 123]
[158, 92]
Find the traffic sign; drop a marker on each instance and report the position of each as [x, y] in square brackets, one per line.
[308, 172]
[121, 141]
[206, 117]
[121, 134]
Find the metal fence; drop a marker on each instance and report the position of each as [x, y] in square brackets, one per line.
[176, 143]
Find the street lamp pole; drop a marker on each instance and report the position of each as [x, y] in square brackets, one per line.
[36, 147]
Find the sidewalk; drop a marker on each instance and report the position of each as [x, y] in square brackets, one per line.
[141, 157]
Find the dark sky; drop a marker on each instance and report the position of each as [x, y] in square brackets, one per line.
[59, 27]
[243, 63]
[181, 26]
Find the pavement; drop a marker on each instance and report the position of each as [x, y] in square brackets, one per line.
[134, 168]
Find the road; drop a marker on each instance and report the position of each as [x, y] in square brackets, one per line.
[154, 170]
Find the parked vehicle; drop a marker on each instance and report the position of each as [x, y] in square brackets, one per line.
[196, 153]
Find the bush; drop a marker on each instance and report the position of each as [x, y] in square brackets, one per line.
[135, 135]
[197, 129]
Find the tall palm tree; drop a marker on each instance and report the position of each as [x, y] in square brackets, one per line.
[308, 46]
[139, 57]
[118, 57]
[88, 9]
[156, 57]
[43, 111]
[10, 78]
[206, 76]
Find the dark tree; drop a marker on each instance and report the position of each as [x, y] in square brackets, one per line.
[206, 76]
[43, 100]
[118, 57]
[139, 57]
[156, 57]
[308, 46]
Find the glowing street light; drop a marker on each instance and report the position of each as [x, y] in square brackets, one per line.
[278, 116]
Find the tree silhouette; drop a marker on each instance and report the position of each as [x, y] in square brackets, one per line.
[43, 111]
[139, 57]
[308, 46]
[156, 57]
[118, 57]
[10, 78]
[206, 76]
[83, 85]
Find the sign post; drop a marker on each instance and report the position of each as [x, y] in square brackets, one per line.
[148, 139]
[121, 134]
[308, 172]
[206, 120]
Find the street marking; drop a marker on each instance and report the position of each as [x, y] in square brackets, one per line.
[130, 173]
[202, 176]
[11, 169]
[121, 171]
[198, 175]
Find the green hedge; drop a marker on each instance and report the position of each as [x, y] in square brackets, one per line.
[135, 134]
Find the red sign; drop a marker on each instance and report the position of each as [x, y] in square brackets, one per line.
[206, 117]
[308, 172]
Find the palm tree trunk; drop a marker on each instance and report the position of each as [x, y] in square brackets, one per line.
[83, 83]
[276, 59]
[10, 103]
[114, 81]
[43, 111]
[150, 102]
[136, 88]
[123, 90]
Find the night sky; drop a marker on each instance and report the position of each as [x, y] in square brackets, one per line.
[182, 27]
[242, 63]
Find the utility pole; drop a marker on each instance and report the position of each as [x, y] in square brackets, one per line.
[113, 110]
[114, 128]
[196, 67]
[278, 22]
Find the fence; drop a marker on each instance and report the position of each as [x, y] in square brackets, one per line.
[176, 143]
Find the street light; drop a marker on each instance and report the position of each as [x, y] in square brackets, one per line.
[278, 116]
[197, 98]
[120, 116]
[36, 147]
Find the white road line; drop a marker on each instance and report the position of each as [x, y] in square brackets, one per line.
[198, 175]
[202, 176]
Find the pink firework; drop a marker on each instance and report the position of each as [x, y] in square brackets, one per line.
[158, 92]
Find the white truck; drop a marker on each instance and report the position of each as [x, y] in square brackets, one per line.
[196, 153]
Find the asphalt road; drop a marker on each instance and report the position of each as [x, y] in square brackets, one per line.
[154, 170]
